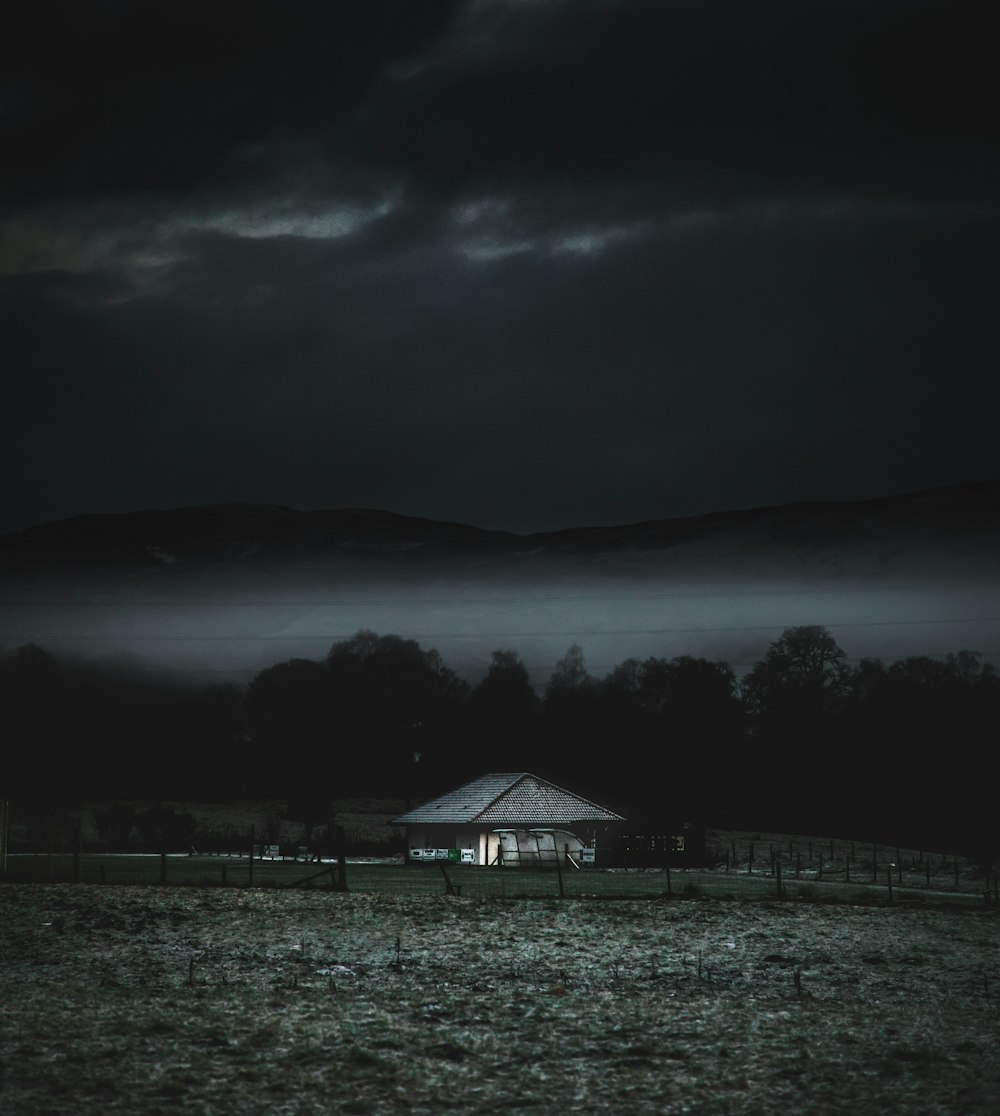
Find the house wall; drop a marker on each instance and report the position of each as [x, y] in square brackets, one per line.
[531, 848]
[659, 842]
[425, 837]
[518, 847]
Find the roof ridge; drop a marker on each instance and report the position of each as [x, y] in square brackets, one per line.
[484, 795]
[572, 794]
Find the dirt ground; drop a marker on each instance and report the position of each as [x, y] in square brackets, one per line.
[146, 1000]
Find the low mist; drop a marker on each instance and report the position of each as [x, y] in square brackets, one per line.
[232, 635]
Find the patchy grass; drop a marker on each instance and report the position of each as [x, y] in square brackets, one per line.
[146, 1001]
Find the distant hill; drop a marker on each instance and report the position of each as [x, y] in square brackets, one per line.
[913, 532]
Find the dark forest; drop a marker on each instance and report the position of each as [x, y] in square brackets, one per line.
[805, 741]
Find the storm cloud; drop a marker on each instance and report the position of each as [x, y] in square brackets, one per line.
[515, 264]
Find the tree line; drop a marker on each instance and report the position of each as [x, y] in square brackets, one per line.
[805, 740]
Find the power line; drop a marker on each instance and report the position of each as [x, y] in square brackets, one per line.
[378, 602]
[307, 637]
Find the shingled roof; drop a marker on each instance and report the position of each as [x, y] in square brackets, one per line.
[506, 799]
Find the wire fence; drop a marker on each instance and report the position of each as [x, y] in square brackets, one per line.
[943, 885]
[739, 865]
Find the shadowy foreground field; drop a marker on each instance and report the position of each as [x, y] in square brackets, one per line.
[213, 1001]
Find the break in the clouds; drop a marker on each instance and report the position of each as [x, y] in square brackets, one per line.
[518, 264]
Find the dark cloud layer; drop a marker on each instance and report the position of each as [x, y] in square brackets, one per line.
[708, 96]
[519, 264]
[170, 96]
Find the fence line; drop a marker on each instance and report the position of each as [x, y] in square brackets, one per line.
[4, 833]
[472, 881]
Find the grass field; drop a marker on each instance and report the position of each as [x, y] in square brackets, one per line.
[209, 1000]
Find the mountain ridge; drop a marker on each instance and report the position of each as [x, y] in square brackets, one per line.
[968, 507]
[266, 552]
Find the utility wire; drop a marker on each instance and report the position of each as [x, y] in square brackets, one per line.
[562, 633]
[379, 602]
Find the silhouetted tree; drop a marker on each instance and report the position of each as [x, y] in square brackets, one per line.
[570, 676]
[504, 710]
[569, 705]
[402, 709]
[620, 703]
[802, 682]
[795, 700]
[701, 719]
[681, 717]
[113, 729]
[32, 699]
[291, 725]
[919, 727]
[625, 680]
[212, 739]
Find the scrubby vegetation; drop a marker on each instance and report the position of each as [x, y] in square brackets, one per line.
[148, 1001]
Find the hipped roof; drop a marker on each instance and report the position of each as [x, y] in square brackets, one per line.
[506, 799]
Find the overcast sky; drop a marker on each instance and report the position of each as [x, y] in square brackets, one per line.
[524, 264]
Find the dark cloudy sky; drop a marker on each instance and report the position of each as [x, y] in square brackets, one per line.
[518, 263]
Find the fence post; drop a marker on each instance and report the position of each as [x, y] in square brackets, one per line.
[777, 872]
[449, 887]
[341, 858]
[250, 878]
[4, 832]
[888, 879]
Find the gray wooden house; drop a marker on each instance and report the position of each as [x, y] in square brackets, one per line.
[511, 818]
